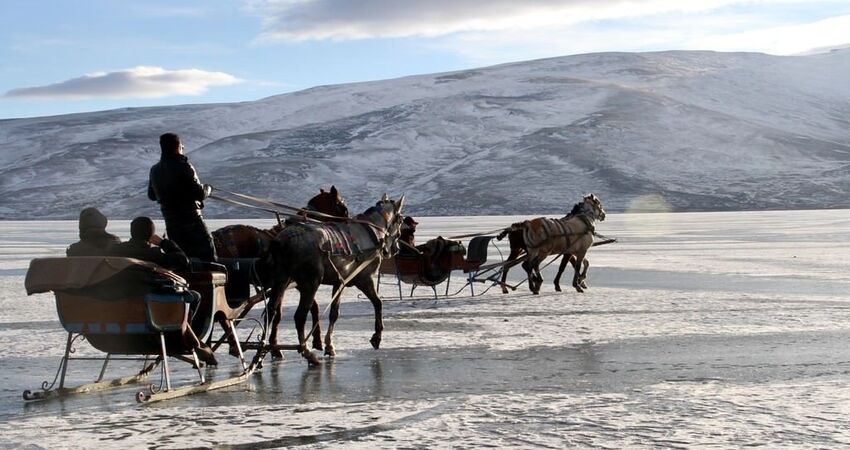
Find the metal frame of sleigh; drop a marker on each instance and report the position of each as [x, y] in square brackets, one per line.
[417, 269]
[137, 311]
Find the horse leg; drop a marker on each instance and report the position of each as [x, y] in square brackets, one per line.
[306, 301]
[576, 276]
[538, 277]
[515, 251]
[332, 318]
[564, 260]
[582, 279]
[367, 286]
[274, 311]
[529, 271]
[317, 325]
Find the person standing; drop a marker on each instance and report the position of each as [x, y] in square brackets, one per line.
[175, 185]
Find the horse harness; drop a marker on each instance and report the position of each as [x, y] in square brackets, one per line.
[555, 228]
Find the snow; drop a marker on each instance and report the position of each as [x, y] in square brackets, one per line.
[717, 330]
[700, 130]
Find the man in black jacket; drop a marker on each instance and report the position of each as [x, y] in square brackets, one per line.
[175, 185]
[94, 240]
[144, 244]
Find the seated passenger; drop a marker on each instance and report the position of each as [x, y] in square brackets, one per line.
[407, 243]
[94, 240]
[145, 245]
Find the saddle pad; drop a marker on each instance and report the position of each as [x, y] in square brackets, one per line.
[343, 239]
[540, 230]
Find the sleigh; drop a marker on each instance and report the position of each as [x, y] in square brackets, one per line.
[132, 310]
[431, 270]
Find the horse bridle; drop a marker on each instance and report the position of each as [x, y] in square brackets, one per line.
[391, 233]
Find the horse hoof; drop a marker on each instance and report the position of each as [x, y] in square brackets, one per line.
[312, 359]
[277, 355]
[375, 341]
[317, 345]
[558, 288]
[504, 291]
[234, 352]
[330, 352]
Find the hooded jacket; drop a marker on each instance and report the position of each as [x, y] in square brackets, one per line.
[94, 240]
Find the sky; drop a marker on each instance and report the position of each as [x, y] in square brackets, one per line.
[61, 57]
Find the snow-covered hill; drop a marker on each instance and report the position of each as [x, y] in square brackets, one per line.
[688, 130]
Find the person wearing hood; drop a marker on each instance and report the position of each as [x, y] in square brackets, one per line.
[175, 186]
[94, 240]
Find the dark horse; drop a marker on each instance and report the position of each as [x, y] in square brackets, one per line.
[566, 236]
[350, 253]
[246, 241]
[518, 249]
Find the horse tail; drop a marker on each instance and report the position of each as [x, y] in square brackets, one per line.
[514, 227]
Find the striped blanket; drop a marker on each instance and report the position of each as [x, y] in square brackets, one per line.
[536, 232]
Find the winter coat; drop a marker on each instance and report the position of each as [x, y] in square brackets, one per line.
[94, 240]
[175, 185]
[167, 255]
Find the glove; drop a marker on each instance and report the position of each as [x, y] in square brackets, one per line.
[208, 189]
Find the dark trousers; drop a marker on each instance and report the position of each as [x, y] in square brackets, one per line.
[193, 237]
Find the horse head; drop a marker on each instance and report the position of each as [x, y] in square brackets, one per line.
[329, 203]
[390, 212]
[592, 206]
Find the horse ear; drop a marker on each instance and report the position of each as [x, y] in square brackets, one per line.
[334, 192]
[321, 191]
[385, 198]
[399, 204]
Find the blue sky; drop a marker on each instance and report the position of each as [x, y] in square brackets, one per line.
[62, 57]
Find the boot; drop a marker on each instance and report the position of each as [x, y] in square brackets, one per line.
[206, 355]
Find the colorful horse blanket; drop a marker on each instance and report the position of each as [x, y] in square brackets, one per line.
[338, 239]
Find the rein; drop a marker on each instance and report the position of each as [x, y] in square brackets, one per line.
[300, 213]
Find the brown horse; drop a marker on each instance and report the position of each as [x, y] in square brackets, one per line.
[518, 249]
[246, 241]
[345, 254]
[566, 236]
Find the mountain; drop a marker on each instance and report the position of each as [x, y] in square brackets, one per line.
[681, 130]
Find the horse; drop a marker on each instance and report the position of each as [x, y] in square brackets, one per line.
[518, 249]
[566, 236]
[246, 241]
[344, 254]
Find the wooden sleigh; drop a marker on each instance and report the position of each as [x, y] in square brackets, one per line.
[135, 310]
[421, 270]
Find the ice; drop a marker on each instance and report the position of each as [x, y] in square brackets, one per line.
[699, 330]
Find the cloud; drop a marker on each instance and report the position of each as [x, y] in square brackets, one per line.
[137, 82]
[782, 40]
[297, 20]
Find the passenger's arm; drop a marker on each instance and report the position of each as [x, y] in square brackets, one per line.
[173, 257]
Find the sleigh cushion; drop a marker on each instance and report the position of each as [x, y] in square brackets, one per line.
[74, 273]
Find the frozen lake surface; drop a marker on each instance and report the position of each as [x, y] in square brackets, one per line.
[699, 330]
